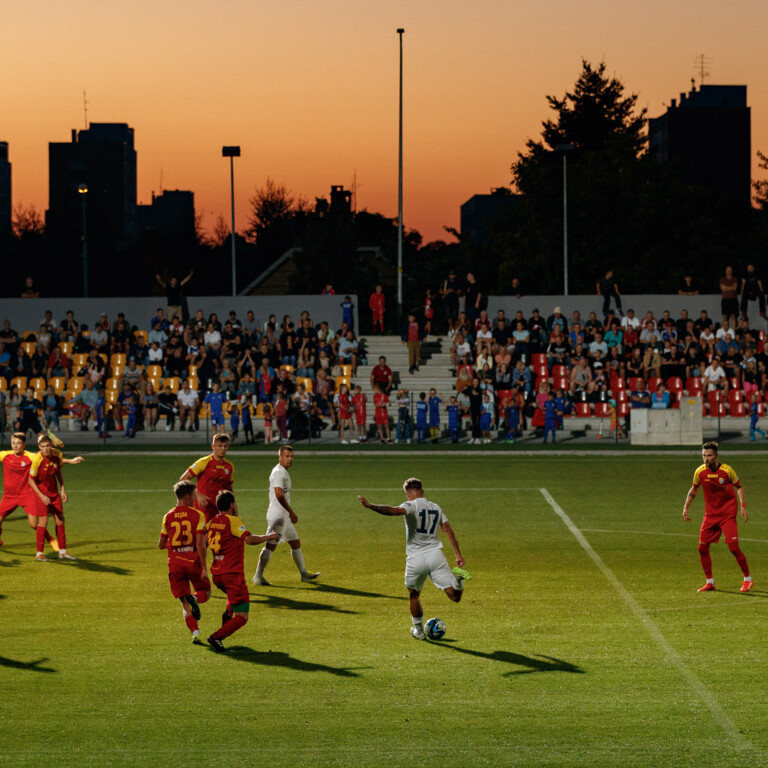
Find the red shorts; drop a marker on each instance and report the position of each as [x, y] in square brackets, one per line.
[25, 500]
[181, 574]
[381, 416]
[43, 510]
[360, 418]
[210, 510]
[234, 586]
[712, 528]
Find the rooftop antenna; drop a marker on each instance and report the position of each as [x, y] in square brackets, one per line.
[161, 181]
[702, 62]
[355, 187]
[85, 109]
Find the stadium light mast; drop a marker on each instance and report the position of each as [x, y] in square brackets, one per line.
[231, 153]
[82, 190]
[564, 149]
[400, 193]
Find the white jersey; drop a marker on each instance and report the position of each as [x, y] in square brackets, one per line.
[279, 478]
[422, 525]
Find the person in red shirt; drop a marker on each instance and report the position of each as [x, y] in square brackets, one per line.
[183, 535]
[227, 536]
[412, 335]
[360, 400]
[47, 487]
[213, 474]
[381, 376]
[718, 482]
[16, 491]
[343, 403]
[377, 304]
[381, 414]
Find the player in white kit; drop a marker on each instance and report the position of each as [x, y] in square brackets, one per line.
[424, 551]
[281, 519]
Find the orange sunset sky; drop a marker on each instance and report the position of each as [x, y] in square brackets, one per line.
[309, 89]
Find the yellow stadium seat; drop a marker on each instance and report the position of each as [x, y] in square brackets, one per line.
[65, 347]
[29, 336]
[342, 380]
[145, 334]
[38, 385]
[79, 360]
[29, 347]
[192, 371]
[3, 384]
[346, 370]
[111, 396]
[172, 382]
[59, 384]
[194, 383]
[288, 368]
[112, 383]
[117, 362]
[20, 382]
[77, 383]
[306, 381]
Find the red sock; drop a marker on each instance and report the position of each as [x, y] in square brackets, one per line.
[61, 537]
[191, 623]
[706, 560]
[741, 560]
[48, 536]
[237, 621]
[202, 596]
[40, 536]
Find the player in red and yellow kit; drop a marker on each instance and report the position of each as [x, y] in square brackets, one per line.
[183, 535]
[227, 537]
[16, 490]
[214, 474]
[47, 488]
[718, 482]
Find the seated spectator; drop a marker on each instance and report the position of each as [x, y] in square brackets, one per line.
[635, 364]
[305, 366]
[96, 371]
[58, 364]
[82, 343]
[45, 338]
[751, 378]
[120, 406]
[322, 389]
[520, 345]
[592, 326]
[598, 344]
[288, 345]
[484, 357]
[231, 342]
[347, 351]
[381, 376]
[149, 407]
[69, 328]
[581, 379]
[85, 404]
[726, 342]
[12, 403]
[21, 365]
[660, 398]
[537, 328]
[694, 359]
[522, 377]
[630, 321]
[461, 352]
[558, 349]
[212, 339]
[132, 375]
[158, 334]
[483, 335]
[154, 356]
[39, 361]
[502, 334]
[140, 350]
[651, 361]
[557, 320]
[168, 406]
[51, 407]
[121, 339]
[227, 379]
[672, 364]
[503, 378]
[175, 365]
[714, 375]
[246, 386]
[640, 398]
[732, 363]
[614, 337]
[29, 411]
[189, 406]
[100, 338]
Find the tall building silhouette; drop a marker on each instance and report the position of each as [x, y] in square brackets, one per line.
[5, 192]
[707, 137]
[102, 158]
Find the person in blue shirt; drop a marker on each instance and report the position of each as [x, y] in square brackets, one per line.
[434, 415]
[753, 417]
[486, 417]
[246, 416]
[101, 414]
[403, 417]
[215, 399]
[453, 419]
[660, 398]
[550, 418]
[129, 409]
[421, 418]
[347, 312]
[562, 406]
[234, 419]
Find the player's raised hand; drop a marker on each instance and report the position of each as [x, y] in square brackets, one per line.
[364, 501]
[77, 460]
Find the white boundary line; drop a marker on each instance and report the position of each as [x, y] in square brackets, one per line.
[356, 489]
[645, 619]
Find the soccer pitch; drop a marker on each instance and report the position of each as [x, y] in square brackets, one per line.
[581, 639]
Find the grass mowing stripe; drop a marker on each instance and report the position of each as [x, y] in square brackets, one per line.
[305, 490]
[661, 533]
[645, 619]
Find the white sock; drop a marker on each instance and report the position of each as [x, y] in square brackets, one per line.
[263, 560]
[747, 578]
[298, 558]
[39, 554]
[459, 585]
[710, 581]
[417, 621]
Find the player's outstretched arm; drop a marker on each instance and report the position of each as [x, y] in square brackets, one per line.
[254, 539]
[454, 542]
[76, 460]
[382, 509]
[688, 500]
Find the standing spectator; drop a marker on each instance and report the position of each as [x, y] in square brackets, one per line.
[381, 414]
[608, 288]
[348, 312]
[475, 395]
[474, 298]
[412, 335]
[173, 293]
[30, 292]
[328, 290]
[377, 304]
[688, 287]
[450, 291]
[429, 311]
[751, 289]
[403, 417]
[359, 400]
[381, 376]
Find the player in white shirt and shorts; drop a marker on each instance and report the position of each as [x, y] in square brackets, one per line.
[282, 519]
[424, 551]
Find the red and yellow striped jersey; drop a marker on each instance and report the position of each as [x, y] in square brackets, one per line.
[45, 472]
[181, 525]
[225, 540]
[213, 476]
[15, 472]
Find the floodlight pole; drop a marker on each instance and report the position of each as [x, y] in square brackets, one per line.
[564, 149]
[82, 190]
[400, 194]
[231, 153]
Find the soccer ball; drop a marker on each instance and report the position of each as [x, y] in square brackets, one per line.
[434, 629]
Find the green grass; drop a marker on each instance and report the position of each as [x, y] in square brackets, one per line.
[544, 664]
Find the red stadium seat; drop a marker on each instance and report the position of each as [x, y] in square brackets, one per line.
[559, 371]
[560, 383]
[675, 384]
[618, 384]
[636, 382]
[715, 402]
[541, 371]
[622, 407]
[675, 398]
[538, 358]
[582, 409]
[735, 396]
[693, 385]
[622, 396]
[738, 409]
[653, 383]
[602, 409]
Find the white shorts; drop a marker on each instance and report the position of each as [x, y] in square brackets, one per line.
[430, 563]
[279, 522]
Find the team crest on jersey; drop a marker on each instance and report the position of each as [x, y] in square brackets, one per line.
[722, 481]
[241, 528]
[23, 463]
